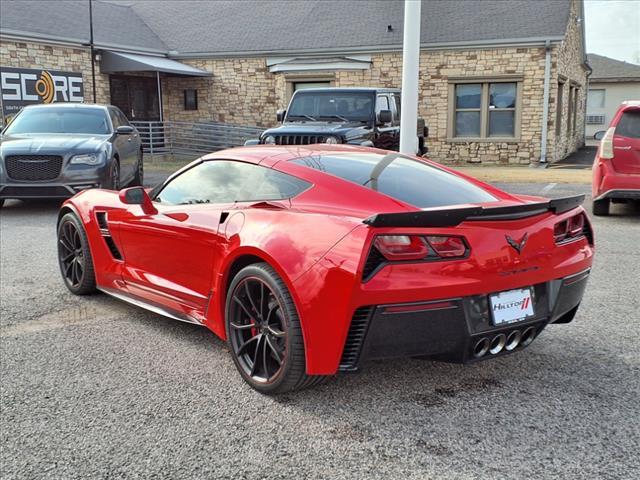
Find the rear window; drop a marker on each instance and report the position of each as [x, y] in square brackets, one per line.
[629, 124]
[400, 177]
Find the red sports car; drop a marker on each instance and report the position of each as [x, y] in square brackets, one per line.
[616, 167]
[310, 260]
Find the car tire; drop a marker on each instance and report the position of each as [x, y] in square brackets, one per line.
[74, 256]
[139, 177]
[601, 207]
[264, 333]
[114, 175]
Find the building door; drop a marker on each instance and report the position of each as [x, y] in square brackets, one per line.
[137, 97]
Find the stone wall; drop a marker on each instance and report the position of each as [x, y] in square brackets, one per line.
[567, 66]
[243, 91]
[55, 57]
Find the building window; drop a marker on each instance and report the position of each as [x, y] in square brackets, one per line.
[484, 110]
[573, 109]
[559, 107]
[191, 99]
[305, 85]
[595, 98]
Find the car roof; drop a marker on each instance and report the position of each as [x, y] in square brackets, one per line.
[352, 89]
[269, 155]
[70, 105]
[633, 104]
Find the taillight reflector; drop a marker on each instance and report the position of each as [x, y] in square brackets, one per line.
[402, 247]
[416, 247]
[606, 144]
[569, 229]
[447, 247]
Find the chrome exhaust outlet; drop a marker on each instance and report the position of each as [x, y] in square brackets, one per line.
[497, 344]
[513, 340]
[481, 347]
[528, 336]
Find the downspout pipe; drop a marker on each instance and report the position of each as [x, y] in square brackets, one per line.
[545, 105]
[159, 96]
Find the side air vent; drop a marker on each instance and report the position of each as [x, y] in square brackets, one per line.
[115, 253]
[101, 218]
[355, 338]
[374, 260]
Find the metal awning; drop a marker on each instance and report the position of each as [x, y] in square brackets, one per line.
[113, 62]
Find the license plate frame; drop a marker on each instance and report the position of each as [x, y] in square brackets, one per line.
[511, 306]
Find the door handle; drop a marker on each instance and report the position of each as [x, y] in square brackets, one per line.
[623, 148]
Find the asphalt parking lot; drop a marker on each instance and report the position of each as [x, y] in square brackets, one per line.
[94, 388]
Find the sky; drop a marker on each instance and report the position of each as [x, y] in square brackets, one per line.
[612, 28]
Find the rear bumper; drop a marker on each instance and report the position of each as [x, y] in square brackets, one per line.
[621, 194]
[608, 183]
[455, 329]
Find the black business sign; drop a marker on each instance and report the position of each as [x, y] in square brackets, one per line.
[24, 86]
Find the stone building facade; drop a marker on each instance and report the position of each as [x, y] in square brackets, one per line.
[243, 90]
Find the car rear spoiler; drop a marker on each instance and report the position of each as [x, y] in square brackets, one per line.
[451, 217]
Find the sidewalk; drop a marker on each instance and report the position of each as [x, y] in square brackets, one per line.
[527, 174]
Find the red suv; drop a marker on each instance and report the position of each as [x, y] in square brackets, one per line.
[616, 168]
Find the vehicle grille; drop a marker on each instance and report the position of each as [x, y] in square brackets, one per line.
[34, 192]
[355, 338]
[33, 167]
[299, 139]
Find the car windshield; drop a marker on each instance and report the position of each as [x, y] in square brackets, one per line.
[403, 178]
[60, 120]
[336, 106]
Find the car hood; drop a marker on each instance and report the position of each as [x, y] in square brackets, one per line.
[51, 144]
[313, 128]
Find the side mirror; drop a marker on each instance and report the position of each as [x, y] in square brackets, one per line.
[599, 135]
[280, 115]
[384, 116]
[138, 196]
[124, 130]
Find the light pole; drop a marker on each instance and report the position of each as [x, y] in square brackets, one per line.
[410, 65]
[92, 53]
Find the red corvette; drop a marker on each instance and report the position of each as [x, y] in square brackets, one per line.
[310, 260]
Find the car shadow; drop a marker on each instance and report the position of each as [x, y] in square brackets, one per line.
[20, 207]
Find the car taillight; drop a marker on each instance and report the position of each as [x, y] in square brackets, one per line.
[570, 228]
[448, 247]
[402, 247]
[606, 144]
[416, 247]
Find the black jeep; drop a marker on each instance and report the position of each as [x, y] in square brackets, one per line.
[356, 116]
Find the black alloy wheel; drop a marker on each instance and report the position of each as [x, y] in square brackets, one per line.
[74, 256]
[264, 332]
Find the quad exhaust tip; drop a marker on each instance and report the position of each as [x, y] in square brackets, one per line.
[497, 344]
[513, 340]
[481, 347]
[504, 341]
[528, 335]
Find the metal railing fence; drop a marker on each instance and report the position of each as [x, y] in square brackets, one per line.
[189, 137]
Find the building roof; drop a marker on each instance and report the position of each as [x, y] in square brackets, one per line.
[242, 27]
[607, 69]
[114, 24]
